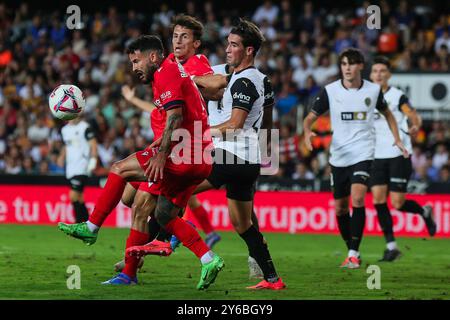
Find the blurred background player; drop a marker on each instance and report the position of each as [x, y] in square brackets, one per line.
[390, 170]
[80, 156]
[240, 112]
[351, 102]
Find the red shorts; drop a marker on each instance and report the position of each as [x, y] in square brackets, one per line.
[179, 180]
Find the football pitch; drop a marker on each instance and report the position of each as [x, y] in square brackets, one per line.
[34, 262]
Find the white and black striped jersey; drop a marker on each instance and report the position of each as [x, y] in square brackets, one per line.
[385, 148]
[249, 90]
[352, 115]
[76, 139]
[216, 113]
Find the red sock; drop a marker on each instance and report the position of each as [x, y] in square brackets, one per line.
[136, 238]
[188, 236]
[109, 198]
[202, 217]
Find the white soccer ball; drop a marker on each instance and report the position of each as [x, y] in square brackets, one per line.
[66, 102]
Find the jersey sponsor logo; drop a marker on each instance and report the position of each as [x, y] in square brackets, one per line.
[242, 97]
[354, 116]
[166, 95]
[182, 72]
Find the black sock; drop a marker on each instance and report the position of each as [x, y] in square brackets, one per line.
[412, 207]
[256, 225]
[153, 228]
[255, 243]
[357, 223]
[385, 220]
[163, 235]
[344, 228]
[81, 212]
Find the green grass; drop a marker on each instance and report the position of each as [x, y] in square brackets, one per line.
[34, 260]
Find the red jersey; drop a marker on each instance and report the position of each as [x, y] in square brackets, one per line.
[173, 88]
[197, 65]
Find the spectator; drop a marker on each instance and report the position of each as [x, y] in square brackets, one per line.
[444, 174]
[267, 11]
[302, 172]
[39, 132]
[440, 157]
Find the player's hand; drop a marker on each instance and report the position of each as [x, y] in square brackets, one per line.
[156, 143]
[155, 167]
[400, 145]
[413, 130]
[308, 136]
[127, 92]
[92, 164]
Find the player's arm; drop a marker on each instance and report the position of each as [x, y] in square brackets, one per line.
[269, 101]
[156, 164]
[212, 94]
[320, 106]
[383, 108]
[93, 152]
[211, 81]
[413, 117]
[129, 95]
[244, 95]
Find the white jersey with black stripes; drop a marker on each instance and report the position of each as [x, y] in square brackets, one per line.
[76, 139]
[385, 148]
[249, 90]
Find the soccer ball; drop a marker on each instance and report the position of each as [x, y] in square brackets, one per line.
[66, 102]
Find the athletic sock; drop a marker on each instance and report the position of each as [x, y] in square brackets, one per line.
[207, 257]
[163, 235]
[136, 238]
[412, 207]
[202, 217]
[385, 220]
[92, 227]
[109, 198]
[153, 228]
[81, 215]
[188, 236]
[357, 223]
[344, 228]
[259, 251]
[391, 245]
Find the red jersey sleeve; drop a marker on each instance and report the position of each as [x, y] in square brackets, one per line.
[169, 84]
[198, 65]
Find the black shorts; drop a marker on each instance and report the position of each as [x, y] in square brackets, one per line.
[77, 183]
[394, 172]
[342, 178]
[239, 178]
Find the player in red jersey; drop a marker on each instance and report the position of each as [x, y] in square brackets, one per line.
[177, 172]
[141, 197]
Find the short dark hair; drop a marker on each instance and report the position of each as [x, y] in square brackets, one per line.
[250, 34]
[190, 23]
[145, 43]
[382, 60]
[354, 56]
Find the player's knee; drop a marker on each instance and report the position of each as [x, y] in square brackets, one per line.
[397, 203]
[127, 201]
[140, 212]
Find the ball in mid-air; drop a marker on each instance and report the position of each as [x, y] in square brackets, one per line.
[66, 102]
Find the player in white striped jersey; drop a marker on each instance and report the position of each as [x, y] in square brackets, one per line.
[80, 155]
[391, 171]
[352, 102]
[241, 113]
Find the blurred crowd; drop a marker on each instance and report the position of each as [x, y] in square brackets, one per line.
[38, 52]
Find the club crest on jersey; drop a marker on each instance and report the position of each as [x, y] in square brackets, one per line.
[157, 103]
[367, 101]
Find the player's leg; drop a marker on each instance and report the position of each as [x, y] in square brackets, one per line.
[340, 185]
[401, 170]
[129, 169]
[76, 198]
[379, 193]
[130, 191]
[201, 215]
[255, 271]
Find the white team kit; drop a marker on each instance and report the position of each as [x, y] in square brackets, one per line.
[385, 147]
[352, 113]
[390, 167]
[76, 139]
[249, 90]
